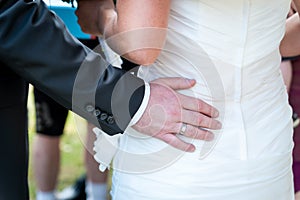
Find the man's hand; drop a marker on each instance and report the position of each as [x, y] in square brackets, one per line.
[94, 14]
[167, 110]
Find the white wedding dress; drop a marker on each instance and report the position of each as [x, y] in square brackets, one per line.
[231, 47]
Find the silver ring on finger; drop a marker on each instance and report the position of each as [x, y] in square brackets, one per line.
[183, 129]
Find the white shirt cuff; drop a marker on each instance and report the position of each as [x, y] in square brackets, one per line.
[143, 106]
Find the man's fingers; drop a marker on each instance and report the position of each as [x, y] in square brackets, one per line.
[192, 103]
[176, 83]
[200, 120]
[177, 143]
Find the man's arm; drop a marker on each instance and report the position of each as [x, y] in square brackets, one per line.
[36, 45]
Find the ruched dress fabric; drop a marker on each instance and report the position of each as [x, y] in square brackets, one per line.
[231, 47]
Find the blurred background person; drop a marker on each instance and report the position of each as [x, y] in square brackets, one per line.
[290, 68]
[50, 121]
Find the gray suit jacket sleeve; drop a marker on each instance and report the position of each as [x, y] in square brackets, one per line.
[36, 45]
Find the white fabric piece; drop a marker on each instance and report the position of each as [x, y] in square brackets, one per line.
[105, 147]
[112, 57]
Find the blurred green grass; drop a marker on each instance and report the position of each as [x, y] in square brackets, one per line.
[71, 149]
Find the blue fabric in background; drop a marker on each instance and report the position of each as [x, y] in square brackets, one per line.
[67, 13]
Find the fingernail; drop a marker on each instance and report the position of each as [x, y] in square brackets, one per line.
[219, 125]
[215, 113]
[191, 149]
[191, 81]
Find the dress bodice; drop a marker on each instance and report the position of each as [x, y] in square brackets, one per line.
[240, 37]
[236, 31]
